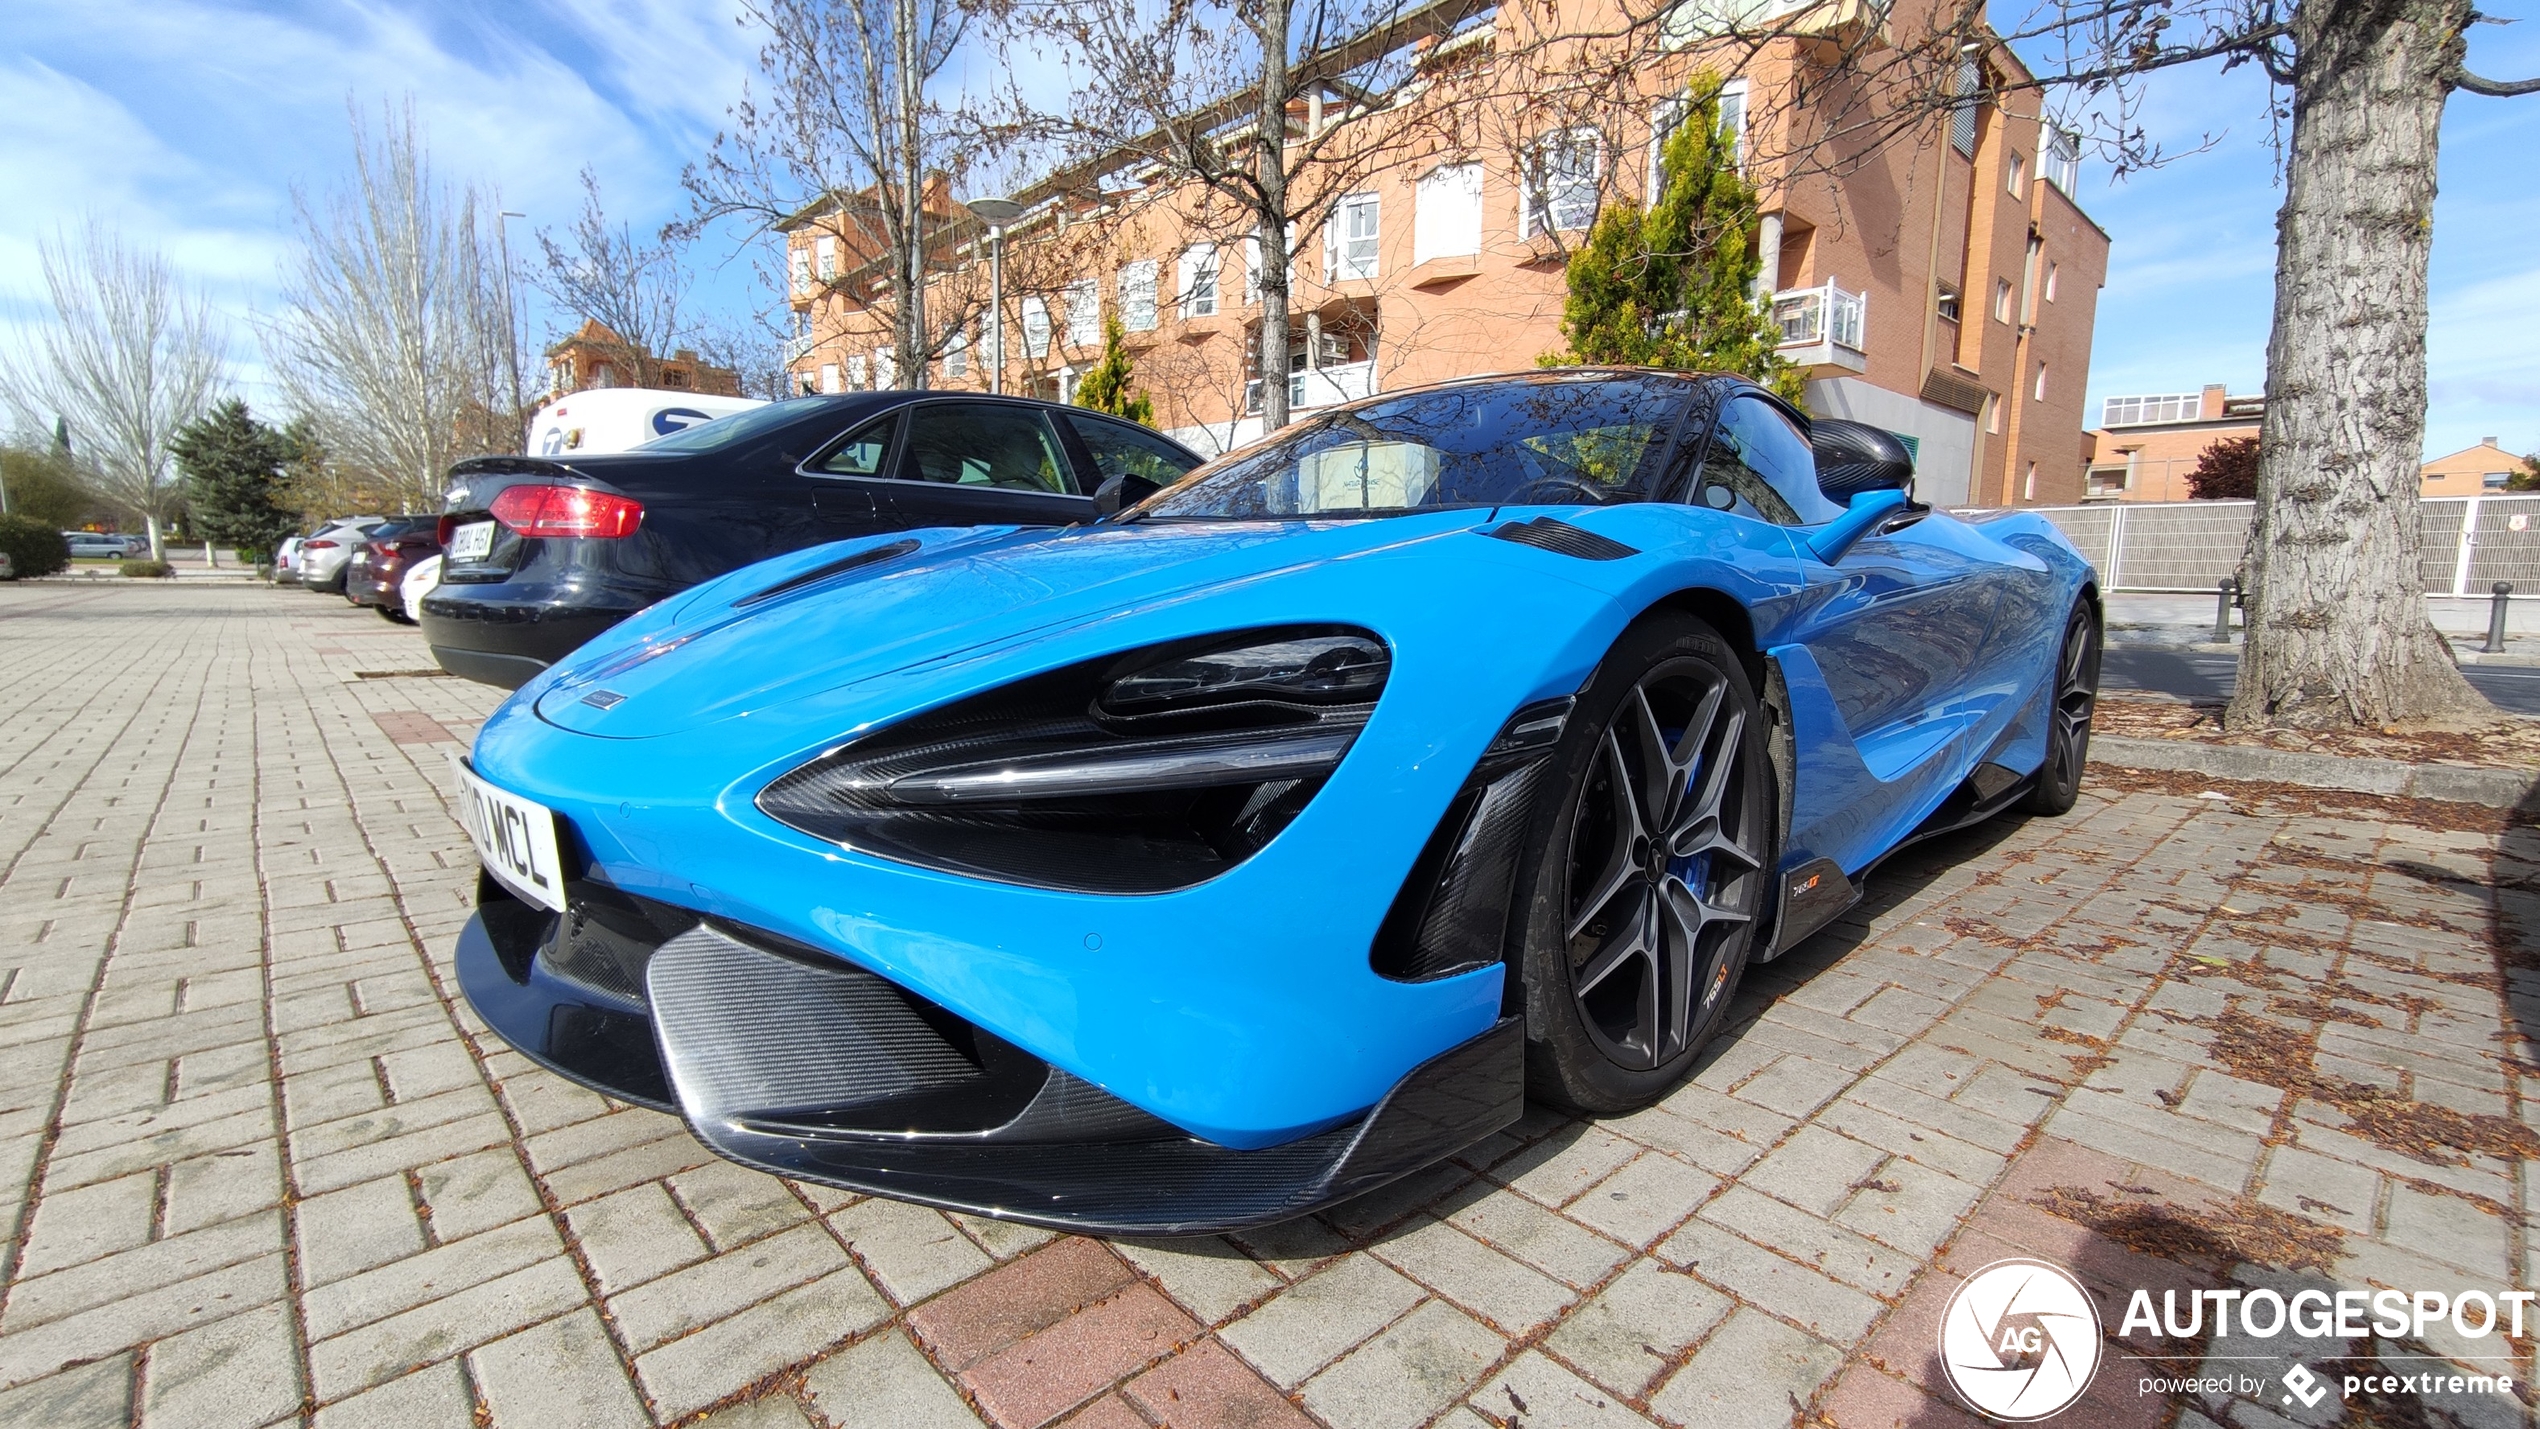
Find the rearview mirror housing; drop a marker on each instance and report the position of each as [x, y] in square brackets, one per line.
[1854, 457]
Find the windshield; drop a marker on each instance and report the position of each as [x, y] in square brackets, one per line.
[728, 431]
[1585, 438]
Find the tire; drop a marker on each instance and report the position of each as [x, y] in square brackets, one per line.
[392, 614]
[2076, 694]
[1632, 952]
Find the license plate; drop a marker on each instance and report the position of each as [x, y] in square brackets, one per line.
[515, 839]
[471, 542]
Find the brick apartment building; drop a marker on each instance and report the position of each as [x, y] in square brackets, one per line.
[1943, 288]
[2482, 470]
[2144, 447]
[593, 356]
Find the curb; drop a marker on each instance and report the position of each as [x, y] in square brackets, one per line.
[2388, 778]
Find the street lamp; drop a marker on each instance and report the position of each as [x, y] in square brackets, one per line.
[996, 213]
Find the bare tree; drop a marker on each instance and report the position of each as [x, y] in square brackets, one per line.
[636, 289]
[396, 307]
[1271, 110]
[127, 359]
[846, 143]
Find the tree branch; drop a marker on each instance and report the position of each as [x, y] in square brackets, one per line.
[2496, 88]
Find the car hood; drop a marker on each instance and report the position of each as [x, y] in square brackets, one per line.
[717, 654]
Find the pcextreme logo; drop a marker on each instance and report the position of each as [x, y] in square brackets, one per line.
[2020, 1340]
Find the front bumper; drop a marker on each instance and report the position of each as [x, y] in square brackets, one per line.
[784, 1059]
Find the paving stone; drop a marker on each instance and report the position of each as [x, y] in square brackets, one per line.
[400, 1285]
[1632, 1329]
[1756, 1275]
[711, 1289]
[95, 1395]
[734, 1204]
[1539, 1392]
[1755, 1371]
[82, 1224]
[433, 1398]
[1510, 1294]
[1319, 1318]
[1644, 1200]
[382, 1350]
[1423, 1362]
[1557, 1247]
[344, 1232]
[564, 1371]
[468, 1194]
[1205, 1387]
[912, 1252]
[243, 1371]
[1814, 1169]
[1205, 1275]
[1017, 1298]
[105, 1280]
[886, 1370]
[632, 1236]
[1040, 1377]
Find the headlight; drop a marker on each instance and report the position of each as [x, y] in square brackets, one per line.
[1137, 773]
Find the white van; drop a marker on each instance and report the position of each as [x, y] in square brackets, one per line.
[613, 419]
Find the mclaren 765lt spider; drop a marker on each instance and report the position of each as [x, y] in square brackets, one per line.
[1282, 830]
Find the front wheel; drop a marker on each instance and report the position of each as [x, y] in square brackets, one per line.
[2068, 719]
[1650, 873]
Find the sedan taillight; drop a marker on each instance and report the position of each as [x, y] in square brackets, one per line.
[557, 511]
[317, 546]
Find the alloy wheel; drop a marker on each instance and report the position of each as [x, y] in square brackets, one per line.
[2076, 695]
[1665, 867]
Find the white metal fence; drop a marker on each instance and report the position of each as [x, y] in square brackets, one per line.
[2469, 542]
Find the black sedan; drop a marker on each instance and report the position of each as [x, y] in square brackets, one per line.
[541, 555]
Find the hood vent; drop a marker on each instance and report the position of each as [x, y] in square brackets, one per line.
[1563, 539]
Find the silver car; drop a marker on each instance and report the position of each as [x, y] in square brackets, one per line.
[323, 553]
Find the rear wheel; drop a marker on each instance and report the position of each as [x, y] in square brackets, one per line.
[2068, 720]
[1650, 874]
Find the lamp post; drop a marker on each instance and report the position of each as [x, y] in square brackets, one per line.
[996, 213]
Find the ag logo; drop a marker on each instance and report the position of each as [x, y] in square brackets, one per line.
[2020, 1340]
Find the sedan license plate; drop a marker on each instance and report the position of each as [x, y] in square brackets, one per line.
[515, 839]
[471, 542]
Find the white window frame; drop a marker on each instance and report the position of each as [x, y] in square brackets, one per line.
[1084, 313]
[2059, 158]
[1253, 268]
[798, 267]
[1351, 237]
[1196, 277]
[858, 378]
[1136, 293]
[2052, 268]
[827, 247]
[956, 355]
[886, 368]
[1537, 209]
[2015, 172]
[2037, 390]
[2002, 300]
[828, 377]
[1036, 327]
[1446, 213]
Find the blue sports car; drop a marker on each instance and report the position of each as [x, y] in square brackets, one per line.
[1280, 832]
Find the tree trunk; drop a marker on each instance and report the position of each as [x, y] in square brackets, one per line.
[1270, 160]
[2338, 630]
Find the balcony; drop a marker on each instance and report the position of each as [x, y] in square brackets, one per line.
[1319, 387]
[1823, 326]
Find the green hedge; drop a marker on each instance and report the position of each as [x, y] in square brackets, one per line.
[34, 549]
[153, 569]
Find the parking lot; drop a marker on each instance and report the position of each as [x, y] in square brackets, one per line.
[264, 1166]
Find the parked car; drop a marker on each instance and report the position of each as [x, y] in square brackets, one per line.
[1279, 837]
[377, 568]
[324, 553]
[418, 582]
[98, 545]
[541, 554]
[616, 419]
[286, 561]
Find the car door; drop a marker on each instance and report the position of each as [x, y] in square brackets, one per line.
[1116, 448]
[980, 463]
[846, 476]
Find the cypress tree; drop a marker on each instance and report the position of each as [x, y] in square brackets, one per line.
[1106, 388]
[1669, 285]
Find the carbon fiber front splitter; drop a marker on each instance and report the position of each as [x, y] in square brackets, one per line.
[796, 1063]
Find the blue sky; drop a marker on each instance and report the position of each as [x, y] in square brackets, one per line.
[190, 121]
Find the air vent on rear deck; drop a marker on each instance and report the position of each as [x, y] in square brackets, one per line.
[1563, 539]
[871, 555]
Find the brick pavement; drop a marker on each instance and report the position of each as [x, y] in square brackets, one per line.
[262, 1166]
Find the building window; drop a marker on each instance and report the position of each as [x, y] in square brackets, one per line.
[956, 356]
[1669, 117]
[1992, 414]
[1036, 327]
[1253, 265]
[857, 378]
[1446, 215]
[2496, 480]
[2140, 411]
[2001, 300]
[1137, 295]
[2038, 390]
[2050, 282]
[806, 383]
[2061, 160]
[1946, 304]
[1694, 21]
[2028, 489]
[1561, 174]
[886, 368]
[801, 270]
[2017, 172]
[1349, 240]
[828, 246]
[1962, 118]
[1084, 313]
[828, 377]
[1197, 273]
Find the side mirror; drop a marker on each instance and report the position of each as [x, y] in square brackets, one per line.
[1121, 491]
[1864, 514]
[1855, 457]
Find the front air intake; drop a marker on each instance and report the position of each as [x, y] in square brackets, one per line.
[1143, 772]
